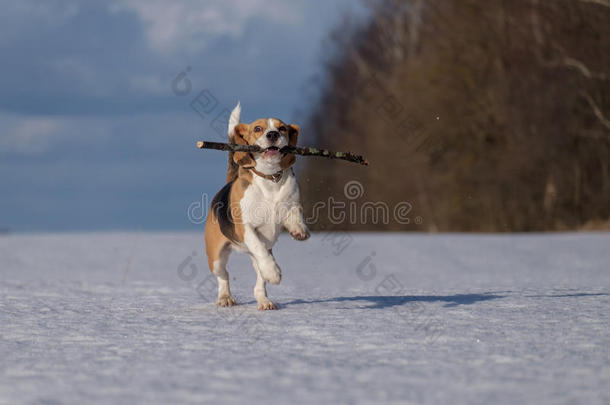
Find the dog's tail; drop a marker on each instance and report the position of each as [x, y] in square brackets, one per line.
[232, 167]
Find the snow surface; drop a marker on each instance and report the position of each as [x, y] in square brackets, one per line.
[129, 318]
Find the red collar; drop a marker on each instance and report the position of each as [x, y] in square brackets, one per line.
[275, 177]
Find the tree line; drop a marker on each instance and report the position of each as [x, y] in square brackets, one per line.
[483, 116]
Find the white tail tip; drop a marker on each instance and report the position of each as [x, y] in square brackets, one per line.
[234, 119]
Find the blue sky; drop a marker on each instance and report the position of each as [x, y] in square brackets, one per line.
[94, 136]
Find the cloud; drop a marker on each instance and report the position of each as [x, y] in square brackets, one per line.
[78, 73]
[28, 135]
[149, 84]
[53, 11]
[88, 120]
[190, 24]
[48, 14]
[35, 135]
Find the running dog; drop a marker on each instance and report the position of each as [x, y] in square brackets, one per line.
[260, 199]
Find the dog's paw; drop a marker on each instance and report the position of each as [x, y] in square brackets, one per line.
[273, 276]
[225, 301]
[300, 234]
[266, 304]
[271, 272]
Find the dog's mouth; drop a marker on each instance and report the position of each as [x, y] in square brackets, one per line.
[271, 151]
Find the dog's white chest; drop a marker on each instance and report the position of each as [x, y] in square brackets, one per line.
[266, 204]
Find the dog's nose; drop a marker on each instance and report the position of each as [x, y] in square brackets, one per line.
[273, 135]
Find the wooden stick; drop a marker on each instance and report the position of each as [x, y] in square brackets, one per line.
[348, 156]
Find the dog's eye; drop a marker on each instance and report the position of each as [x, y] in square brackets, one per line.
[258, 128]
[282, 129]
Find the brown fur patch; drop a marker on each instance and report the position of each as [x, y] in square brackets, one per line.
[242, 137]
[243, 181]
[293, 136]
[232, 167]
[215, 241]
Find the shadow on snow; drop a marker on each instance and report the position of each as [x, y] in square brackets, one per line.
[387, 301]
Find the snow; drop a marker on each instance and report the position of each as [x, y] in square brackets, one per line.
[129, 318]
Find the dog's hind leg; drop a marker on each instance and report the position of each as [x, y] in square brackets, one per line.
[260, 291]
[218, 255]
[218, 248]
[225, 299]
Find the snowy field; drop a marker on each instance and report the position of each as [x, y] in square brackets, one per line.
[129, 318]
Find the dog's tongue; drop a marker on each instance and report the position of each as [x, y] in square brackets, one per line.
[271, 152]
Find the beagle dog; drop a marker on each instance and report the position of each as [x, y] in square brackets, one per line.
[260, 199]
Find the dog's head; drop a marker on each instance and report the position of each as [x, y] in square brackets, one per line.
[271, 134]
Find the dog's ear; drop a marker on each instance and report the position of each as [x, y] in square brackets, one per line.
[293, 135]
[240, 132]
[242, 158]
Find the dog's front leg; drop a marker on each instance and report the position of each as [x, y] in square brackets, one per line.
[295, 223]
[269, 269]
[260, 292]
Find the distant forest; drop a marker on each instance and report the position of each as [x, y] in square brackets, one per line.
[482, 115]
